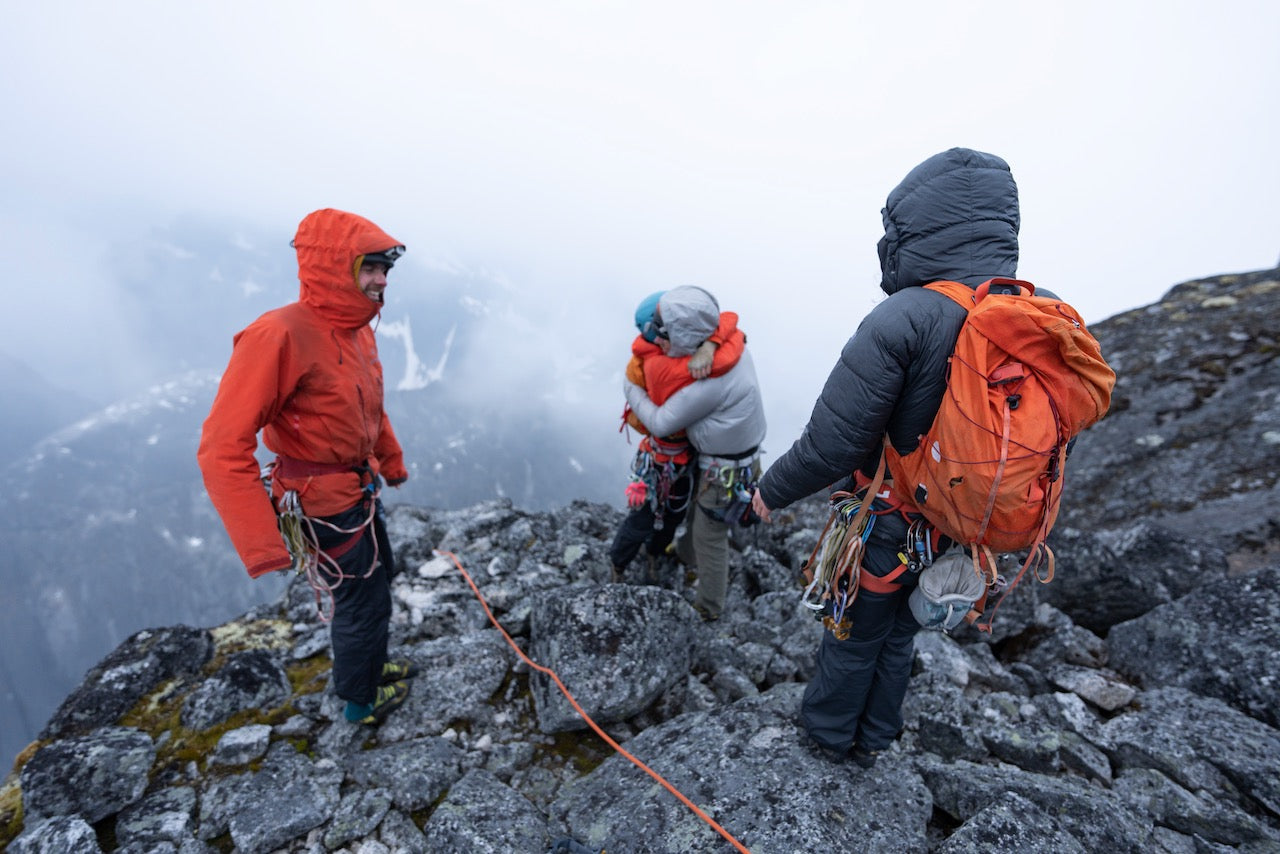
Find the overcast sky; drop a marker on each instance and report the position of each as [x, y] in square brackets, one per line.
[588, 153]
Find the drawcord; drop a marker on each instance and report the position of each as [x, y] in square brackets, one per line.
[298, 530]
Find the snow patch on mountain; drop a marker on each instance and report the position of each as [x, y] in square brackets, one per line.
[416, 374]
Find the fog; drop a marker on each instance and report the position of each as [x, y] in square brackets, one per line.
[576, 156]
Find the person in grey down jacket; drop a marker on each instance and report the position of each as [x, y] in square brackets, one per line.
[954, 217]
[723, 417]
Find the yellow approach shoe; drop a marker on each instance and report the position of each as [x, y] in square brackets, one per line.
[397, 669]
[387, 700]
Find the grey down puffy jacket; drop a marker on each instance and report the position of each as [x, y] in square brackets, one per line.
[954, 217]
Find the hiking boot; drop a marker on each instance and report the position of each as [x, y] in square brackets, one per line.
[399, 668]
[386, 701]
[616, 577]
[836, 757]
[706, 615]
[863, 757]
[830, 754]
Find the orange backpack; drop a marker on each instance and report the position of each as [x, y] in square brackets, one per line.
[1025, 377]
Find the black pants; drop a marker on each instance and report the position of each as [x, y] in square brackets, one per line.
[636, 528]
[856, 695]
[361, 605]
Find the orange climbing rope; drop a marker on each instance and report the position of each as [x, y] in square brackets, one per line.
[604, 735]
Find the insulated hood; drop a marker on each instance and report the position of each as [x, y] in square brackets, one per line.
[328, 244]
[954, 217]
[690, 314]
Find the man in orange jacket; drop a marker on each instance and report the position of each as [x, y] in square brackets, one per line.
[307, 376]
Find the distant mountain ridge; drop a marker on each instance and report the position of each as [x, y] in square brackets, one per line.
[33, 408]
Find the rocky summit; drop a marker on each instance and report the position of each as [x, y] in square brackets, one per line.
[1132, 704]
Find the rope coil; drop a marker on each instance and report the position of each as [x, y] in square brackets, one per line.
[320, 567]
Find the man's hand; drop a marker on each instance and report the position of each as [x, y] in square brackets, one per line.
[758, 505]
[396, 481]
[700, 361]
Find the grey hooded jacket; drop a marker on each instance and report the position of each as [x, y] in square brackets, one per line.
[724, 415]
[954, 217]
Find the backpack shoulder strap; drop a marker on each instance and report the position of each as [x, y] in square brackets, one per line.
[968, 297]
[961, 294]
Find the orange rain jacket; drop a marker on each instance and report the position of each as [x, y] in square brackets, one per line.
[662, 376]
[307, 376]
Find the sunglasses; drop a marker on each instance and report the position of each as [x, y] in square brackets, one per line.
[653, 329]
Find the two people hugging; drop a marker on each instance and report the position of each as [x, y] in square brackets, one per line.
[691, 389]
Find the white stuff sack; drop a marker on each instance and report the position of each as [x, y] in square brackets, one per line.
[948, 589]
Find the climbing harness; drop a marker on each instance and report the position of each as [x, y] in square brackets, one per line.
[656, 472]
[320, 566]
[547, 671]
[834, 568]
[834, 571]
[737, 476]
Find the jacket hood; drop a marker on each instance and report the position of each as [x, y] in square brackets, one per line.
[690, 314]
[330, 244]
[954, 217]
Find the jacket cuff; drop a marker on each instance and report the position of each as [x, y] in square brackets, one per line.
[263, 567]
[766, 495]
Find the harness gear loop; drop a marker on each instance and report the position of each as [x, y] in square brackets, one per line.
[834, 568]
[655, 470]
[738, 476]
[1040, 562]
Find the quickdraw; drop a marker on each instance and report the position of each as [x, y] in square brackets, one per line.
[834, 567]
